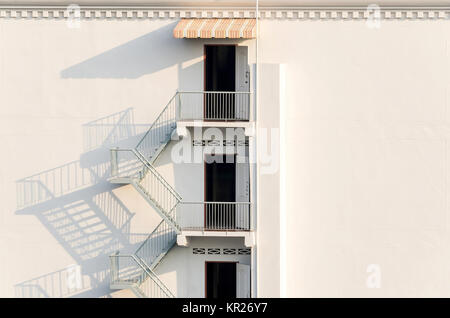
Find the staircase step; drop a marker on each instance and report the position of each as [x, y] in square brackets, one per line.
[160, 257]
[168, 219]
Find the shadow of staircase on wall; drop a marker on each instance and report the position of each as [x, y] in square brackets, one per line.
[75, 202]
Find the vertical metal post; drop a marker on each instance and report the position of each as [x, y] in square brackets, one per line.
[178, 107]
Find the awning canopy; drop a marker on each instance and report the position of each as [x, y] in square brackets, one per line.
[215, 28]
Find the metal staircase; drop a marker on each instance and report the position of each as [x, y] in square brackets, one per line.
[134, 166]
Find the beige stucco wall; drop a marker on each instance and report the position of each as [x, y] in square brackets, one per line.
[363, 113]
[184, 272]
[54, 80]
[366, 159]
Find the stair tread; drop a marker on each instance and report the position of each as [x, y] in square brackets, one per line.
[135, 180]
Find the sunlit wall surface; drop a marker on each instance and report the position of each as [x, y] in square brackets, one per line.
[364, 115]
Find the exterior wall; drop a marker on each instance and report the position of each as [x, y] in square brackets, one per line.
[181, 270]
[366, 156]
[362, 117]
[184, 171]
[184, 272]
[55, 81]
[268, 182]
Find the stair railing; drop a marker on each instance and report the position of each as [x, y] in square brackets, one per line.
[156, 244]
[135, 167]
[130, 163]
[128, 270]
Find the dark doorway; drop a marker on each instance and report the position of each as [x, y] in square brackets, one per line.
[220, 76]
[220, 280]
[220, 186]
[220, 68]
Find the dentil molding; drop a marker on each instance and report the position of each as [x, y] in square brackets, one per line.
[306, 13]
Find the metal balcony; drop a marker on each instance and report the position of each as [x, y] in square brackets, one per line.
[214, 216]
[213, 106]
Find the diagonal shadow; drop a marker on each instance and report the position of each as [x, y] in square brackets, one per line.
[108, 130]
[76, 204]
[75, 201]
[147, 54]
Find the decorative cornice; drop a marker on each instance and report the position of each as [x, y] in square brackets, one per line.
[298, 13]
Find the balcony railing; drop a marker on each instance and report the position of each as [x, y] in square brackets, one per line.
[214, 216]
[214, 106]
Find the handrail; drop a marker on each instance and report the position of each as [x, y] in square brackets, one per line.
[159, 176]
[156, 243]
[150, 235]
[215, 202]
[154, 277]
[147, 164]
[148, 273]
[152, 185]
[156, 120]
[213, 105]
[147, 149]
[171, 100]
[212, 92]
[218, 216]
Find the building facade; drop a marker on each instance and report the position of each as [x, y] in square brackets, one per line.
[179, 149]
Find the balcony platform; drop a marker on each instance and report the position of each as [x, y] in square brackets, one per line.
[183, 238]
[182, 125]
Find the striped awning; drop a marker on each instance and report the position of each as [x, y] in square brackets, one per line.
[215, 28]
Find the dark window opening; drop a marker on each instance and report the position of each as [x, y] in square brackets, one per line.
[220, 76]
[220, 280]
[220, 68]
[220, 186]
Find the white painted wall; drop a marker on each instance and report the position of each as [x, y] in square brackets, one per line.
[366, 120]
[184, 272]
[53, 81]
[268, 183]
[365, 115]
